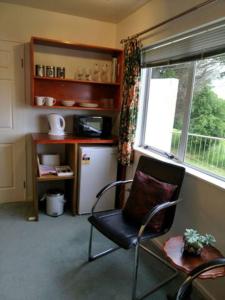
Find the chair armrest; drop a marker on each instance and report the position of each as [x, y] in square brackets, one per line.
[185, 287]
[106, 188]
[153, 212]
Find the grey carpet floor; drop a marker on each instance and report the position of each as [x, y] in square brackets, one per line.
[48, 260]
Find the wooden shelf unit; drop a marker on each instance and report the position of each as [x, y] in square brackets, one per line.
[106, 94]
[53, 178]
[77, 107]
[44, 138]
[71, 145]
[76, 81]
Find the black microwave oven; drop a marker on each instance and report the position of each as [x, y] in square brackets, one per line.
[92, 126]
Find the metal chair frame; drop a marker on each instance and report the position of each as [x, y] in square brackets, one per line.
[138, 245]
[185, 288]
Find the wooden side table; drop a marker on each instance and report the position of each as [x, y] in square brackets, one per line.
[173, 249]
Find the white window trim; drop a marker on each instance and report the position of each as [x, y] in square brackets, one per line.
[187, 113]
[219, 183]
[141, 123]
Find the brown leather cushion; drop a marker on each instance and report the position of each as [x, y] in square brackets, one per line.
[147, 192]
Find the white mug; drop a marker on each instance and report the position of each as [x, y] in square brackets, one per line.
[40, 100]
[49, 101]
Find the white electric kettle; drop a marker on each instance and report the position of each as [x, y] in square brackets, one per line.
[56, 124]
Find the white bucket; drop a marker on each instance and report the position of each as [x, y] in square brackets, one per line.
[54, 203]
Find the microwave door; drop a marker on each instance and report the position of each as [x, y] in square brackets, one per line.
[92, 129]
[93, 126]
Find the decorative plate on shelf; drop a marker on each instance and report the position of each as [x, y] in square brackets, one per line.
[88, 105]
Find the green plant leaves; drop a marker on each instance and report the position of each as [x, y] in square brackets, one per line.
[194, 239]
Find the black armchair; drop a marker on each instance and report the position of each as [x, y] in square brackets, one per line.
[160, 179]
[186, 287]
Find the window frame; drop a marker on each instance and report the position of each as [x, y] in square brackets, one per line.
[142, 120]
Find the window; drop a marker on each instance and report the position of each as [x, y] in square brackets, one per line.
[184, 100]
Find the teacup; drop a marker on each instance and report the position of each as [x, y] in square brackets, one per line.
[40, 100]
[49, 101]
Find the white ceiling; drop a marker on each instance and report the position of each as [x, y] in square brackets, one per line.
[103, 10]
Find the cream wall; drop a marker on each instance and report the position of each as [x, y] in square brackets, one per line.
[19, 23]
[203, 204]
[157, 11]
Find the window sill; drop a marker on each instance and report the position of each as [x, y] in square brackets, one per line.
[202, 176]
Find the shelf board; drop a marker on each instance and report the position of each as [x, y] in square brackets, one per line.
[76, 107]
[72, 45]
[53, 178]
[76, 81]
[44, 138]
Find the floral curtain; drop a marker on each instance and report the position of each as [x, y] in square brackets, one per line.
[131, 82]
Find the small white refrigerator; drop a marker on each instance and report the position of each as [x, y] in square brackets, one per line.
[97, 168]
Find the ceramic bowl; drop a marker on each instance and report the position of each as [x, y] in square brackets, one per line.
[68, 102]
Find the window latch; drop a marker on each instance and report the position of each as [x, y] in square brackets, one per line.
[169, 155]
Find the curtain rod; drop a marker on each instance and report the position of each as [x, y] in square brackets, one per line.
[169, 20]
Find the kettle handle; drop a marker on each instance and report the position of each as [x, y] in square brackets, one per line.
[63, 123]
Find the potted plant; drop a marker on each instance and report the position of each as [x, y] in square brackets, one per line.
[194, 242]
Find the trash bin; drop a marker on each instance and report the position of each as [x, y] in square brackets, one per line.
[54, 202]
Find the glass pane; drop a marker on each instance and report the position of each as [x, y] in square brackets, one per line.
[165, 115]
[206, 136]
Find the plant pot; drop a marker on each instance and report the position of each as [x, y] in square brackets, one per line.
[189, 249]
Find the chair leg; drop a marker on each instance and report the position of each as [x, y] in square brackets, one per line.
[90, 244]
[135, 275]
[136, 266]
[135, 278]
[93, 257]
